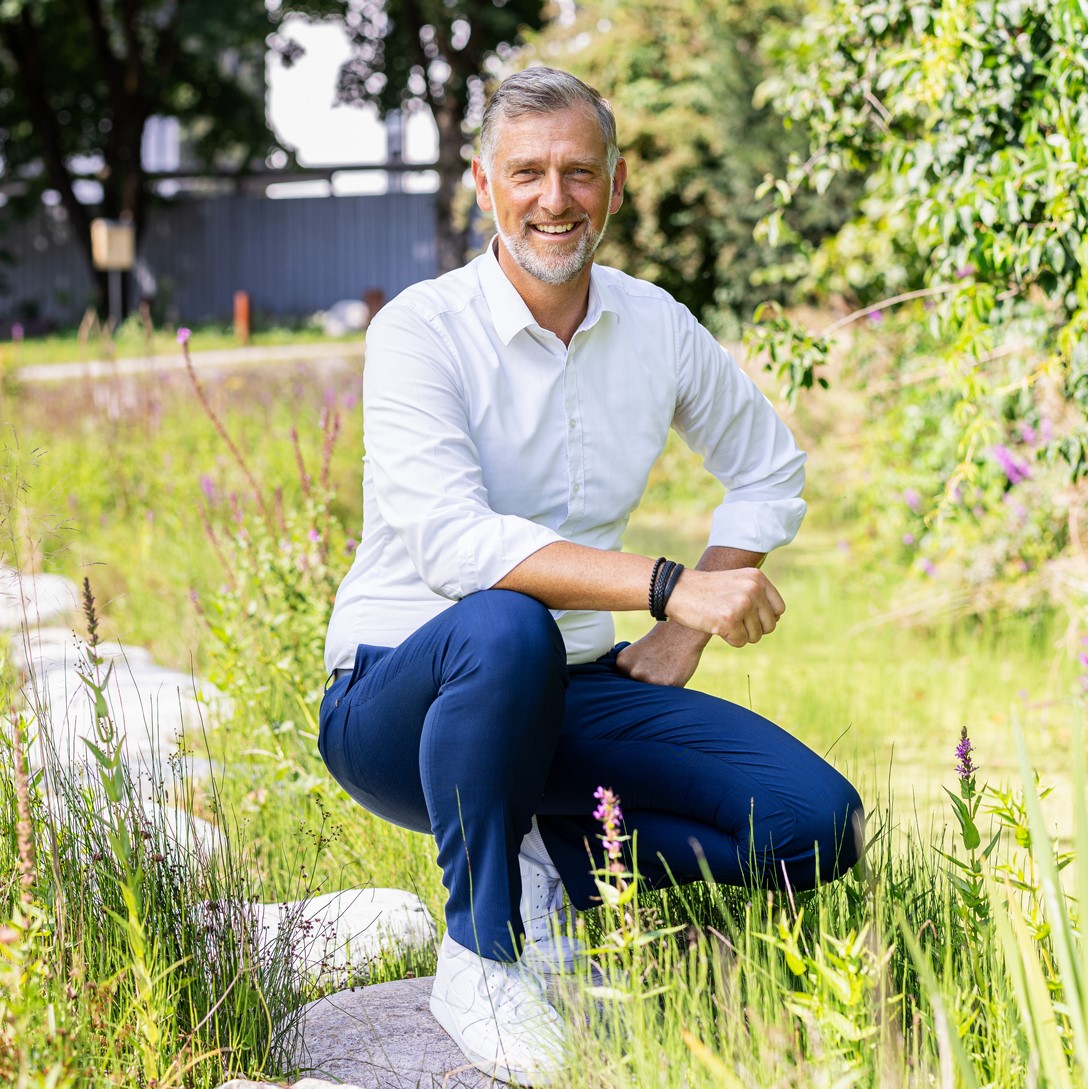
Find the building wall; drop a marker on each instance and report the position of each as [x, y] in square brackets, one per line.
[293, 256]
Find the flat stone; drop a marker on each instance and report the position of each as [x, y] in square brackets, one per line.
[337, 935]
[27, 601]
[152, 706]
[306, 1083]
[383, 1037]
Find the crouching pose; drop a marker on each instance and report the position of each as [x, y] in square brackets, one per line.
[512, 411]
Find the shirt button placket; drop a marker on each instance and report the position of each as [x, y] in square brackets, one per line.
[575, 453]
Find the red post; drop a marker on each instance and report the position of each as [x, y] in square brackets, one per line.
[241, 317]
[374, 297]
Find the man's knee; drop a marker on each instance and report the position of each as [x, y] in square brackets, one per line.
[511, 629]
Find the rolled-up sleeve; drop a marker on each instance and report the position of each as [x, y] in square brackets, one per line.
[425, 467]
[723, 417]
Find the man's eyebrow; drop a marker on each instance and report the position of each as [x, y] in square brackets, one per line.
[514, 163]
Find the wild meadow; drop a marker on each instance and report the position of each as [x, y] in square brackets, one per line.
[213, 523]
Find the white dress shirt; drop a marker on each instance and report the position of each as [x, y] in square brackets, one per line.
[487, 438]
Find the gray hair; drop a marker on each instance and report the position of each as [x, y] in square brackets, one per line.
[545, 90]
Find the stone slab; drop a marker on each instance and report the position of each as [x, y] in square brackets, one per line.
[27, 601]
[383, 1037]
[337, 935]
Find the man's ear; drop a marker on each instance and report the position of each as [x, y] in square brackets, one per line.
[619, 180]
[483, 188]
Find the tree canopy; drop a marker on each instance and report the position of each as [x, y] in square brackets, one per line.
[970, 121]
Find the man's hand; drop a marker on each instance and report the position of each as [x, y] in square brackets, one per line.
[668, 654]
[740, 605]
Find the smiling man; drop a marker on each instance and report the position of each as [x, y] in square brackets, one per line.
[513, 410]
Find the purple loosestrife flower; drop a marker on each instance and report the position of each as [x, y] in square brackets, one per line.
[1014, 468]
[207, 486]
[875, 316]
[314, 535]
[1028, 435]
[183, 336]
[913, 499]
[965, 765]
[350, 545]
[908, 539]
[609, 814]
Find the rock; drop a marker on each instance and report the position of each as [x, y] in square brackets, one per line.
[306, 1083]
[150, 705]
[27, 601]
[340, 933]
[383, 1037]
[343, 317]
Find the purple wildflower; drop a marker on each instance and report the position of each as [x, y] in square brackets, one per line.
[207, 486]
[875, 316]
[350, 545]
[1014, 468]
[1028, 435]
[314, 535]
[965, 765]
[913, 499]
[929, 567]
[963, 272]
[1046, 429]
[183, 336]
[908, 539]
[17, 332]
[609, 814]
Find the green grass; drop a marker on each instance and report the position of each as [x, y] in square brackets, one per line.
[869, 982]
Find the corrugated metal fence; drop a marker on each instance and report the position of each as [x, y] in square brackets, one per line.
[292, 256]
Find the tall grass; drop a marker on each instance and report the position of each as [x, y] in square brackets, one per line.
[944, 964]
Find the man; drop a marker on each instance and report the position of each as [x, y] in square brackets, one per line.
[513, 410]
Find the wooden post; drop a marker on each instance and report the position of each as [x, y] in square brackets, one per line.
[374, 297]
[241, 317]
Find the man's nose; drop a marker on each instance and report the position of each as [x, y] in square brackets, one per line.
[554, 197]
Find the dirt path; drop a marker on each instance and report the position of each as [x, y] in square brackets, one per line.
[228, 357]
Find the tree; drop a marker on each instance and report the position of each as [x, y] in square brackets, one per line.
[434, 53]
[681, 76]
[970, 120]
[79, 80]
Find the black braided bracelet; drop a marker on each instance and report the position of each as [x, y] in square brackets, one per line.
[657, 590]
[666, 573]
[670, 585]
[653, 579]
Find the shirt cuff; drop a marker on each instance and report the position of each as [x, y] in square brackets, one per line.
[756, 527]
[492, 549]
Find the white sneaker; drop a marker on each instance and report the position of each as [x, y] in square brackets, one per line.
[498, 1016]
[547, 951]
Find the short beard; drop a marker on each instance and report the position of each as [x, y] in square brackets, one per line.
[560, 269]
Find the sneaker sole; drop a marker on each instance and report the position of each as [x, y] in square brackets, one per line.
[489, 1064]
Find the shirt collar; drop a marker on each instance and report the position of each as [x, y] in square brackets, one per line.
[510, 315]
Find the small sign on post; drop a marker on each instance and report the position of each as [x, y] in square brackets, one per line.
[113, 249]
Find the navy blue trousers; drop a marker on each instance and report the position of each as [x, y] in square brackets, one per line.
[475, 723]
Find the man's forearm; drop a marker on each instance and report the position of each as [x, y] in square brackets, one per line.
[565, 575]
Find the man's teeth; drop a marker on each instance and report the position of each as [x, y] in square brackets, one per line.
[558, 228]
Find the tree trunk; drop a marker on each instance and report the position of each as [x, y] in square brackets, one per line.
[452, 239]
